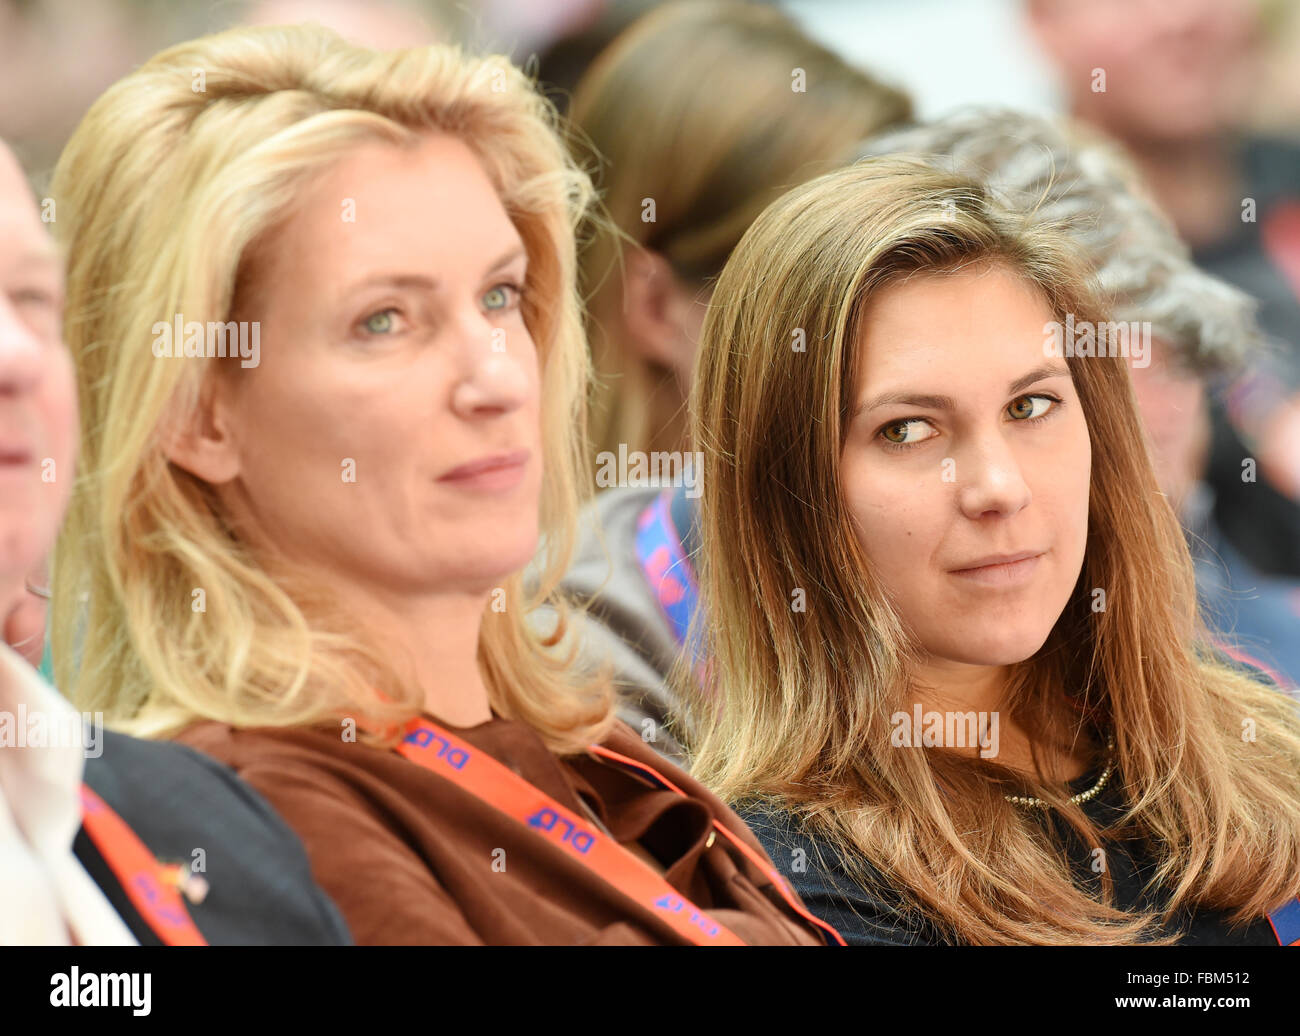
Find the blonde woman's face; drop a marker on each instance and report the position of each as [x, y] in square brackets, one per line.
[391, 431]
[982, 452]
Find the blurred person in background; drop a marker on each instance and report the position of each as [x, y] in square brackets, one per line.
[1203, 334]
[700, 114]
[564, 60]
[92, 43]
[160, 844]
[308, 562]
[1172, 80]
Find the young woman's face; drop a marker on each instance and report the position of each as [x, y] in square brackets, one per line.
[392, 429]
[982, 452]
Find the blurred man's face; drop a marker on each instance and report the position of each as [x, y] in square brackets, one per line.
[1157, 70]
[38, 402]
[1173, 406]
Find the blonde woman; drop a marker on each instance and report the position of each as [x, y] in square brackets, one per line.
[302, 554]
[957, 679]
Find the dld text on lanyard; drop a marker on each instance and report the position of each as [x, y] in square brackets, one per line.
[142, 877]
[482, 776]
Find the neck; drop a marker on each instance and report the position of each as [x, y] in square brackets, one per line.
[434, 643]
[942, 685]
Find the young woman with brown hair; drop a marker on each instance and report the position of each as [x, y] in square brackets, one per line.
[956, 677]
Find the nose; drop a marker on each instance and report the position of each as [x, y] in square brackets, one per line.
[989, 479]
[493, 379]
[20, 353]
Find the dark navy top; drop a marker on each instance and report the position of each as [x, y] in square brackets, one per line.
[874, 918]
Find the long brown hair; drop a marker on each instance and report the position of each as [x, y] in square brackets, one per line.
[795, 706]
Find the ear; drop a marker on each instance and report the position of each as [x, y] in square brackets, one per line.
[203, 442]
[654, 302]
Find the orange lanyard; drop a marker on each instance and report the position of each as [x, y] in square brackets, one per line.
[782, 886]
[488, 780]
[139, 873]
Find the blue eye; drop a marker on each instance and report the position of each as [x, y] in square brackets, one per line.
[379, 323]
[502, 296]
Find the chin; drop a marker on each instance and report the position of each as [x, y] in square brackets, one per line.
[490, 560]
[22, 545]
[997, 647]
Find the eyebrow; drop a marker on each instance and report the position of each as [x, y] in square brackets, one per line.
[932, 402]
[396, 280]
[424, 281]
[508, 258]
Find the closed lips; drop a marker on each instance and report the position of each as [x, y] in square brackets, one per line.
[484, 464]
[998, 559]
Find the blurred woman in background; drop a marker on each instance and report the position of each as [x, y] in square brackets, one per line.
[701, 114]
[302, 555]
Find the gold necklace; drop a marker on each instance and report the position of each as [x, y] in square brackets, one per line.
[1083, 796]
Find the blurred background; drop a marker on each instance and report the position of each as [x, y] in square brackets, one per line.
[56, 56]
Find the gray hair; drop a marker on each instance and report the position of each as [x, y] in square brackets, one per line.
[1073, 176]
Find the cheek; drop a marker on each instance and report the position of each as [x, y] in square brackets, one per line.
[60, 406]
[1079, 464]
[284, 430]
[895, 516]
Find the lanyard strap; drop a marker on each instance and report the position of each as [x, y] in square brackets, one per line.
[139, 873]
[666, 567]
[482, 776]
[671, 578]
[1286, 923]
[829, 934]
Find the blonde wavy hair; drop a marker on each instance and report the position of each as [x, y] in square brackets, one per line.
[169, 179]
[794, 707]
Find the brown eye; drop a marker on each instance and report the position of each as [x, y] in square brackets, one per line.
[901, 433]
[1023, 409]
